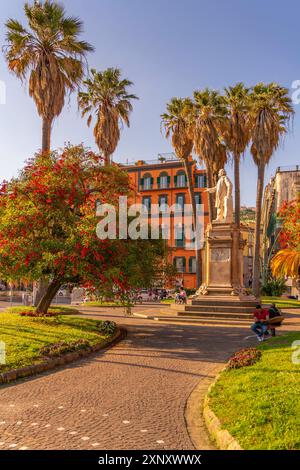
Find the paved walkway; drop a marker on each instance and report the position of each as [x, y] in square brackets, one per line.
[132, 396]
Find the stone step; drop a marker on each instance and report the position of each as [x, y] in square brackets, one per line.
[207, 313]
[218, 308]
[202, 321]
[226, 291]
[239, 316]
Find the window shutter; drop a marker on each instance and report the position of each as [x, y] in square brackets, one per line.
[152, 181]
[158, 182]
[142, 182]
[184, 265]
[175, 181]
[185, 180]
[205, 181]
[169, 180]
[190, 265]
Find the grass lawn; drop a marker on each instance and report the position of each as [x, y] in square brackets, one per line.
[281, 302]
[57, 309]
[25, 336]
[99, 303]
[259, 404]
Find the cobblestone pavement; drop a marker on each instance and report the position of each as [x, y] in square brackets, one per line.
[132, 396]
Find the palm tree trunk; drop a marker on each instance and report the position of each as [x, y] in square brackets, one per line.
[49, 295]
[46, 134]
[237, 201]
[256, 261]
[187, 167]
[107, 159]
[46, 139]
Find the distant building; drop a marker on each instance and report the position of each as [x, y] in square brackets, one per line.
[247, 232]
[283, 187]
[164, 182]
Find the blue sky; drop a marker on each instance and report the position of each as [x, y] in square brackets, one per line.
[167, 48]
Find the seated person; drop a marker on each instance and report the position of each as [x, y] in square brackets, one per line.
[260, 326]
[274, 312]
[275, 318]
[183, 296]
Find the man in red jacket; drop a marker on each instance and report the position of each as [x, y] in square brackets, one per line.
[261, 317]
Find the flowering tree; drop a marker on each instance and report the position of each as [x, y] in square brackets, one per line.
[48, 227]
[286, 263]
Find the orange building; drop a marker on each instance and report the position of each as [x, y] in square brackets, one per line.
[164, 182]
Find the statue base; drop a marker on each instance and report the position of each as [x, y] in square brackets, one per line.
[223, 261]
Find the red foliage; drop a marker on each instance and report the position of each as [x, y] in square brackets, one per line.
[243, 358]
[48, 220]
[289, 236]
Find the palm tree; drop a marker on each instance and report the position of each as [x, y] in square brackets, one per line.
[236, 133]
[106, 95]
[208, 120]
[286, 263]
[176, 122]
[51, 54]
[270, 110]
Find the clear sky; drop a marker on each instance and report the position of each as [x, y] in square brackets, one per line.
[167, 48]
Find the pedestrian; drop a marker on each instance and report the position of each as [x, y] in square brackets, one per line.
[183, 296]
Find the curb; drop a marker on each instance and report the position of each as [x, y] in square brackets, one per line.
[53, 363]
[222, 437]
[194, 418]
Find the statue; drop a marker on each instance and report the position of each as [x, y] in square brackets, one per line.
[224, 203]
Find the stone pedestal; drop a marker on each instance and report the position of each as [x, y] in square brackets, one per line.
[223, 265]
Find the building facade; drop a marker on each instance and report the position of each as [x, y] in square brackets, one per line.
[283, 187]
[164, 182]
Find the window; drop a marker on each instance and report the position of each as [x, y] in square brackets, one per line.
[198, 198]
[164, 231]
[147, 202]
[180, 201]
[163, 203]
[180, 180]
[179, 236]
[200, 181]
[192, 265]
[146, 182]
[163, 181]
[180, 264]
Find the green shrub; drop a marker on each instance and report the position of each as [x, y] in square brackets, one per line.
[107, 327]
[273, 287]
[63, 347]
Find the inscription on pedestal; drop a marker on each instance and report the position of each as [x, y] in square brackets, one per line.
[221, 254]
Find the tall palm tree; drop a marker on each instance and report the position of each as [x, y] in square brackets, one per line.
[208, 119]
[176, 122]
[106, 95]
[236, 133]
[270, 111]
[51, 54]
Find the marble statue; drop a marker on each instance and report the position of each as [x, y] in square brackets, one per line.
[224, 203]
